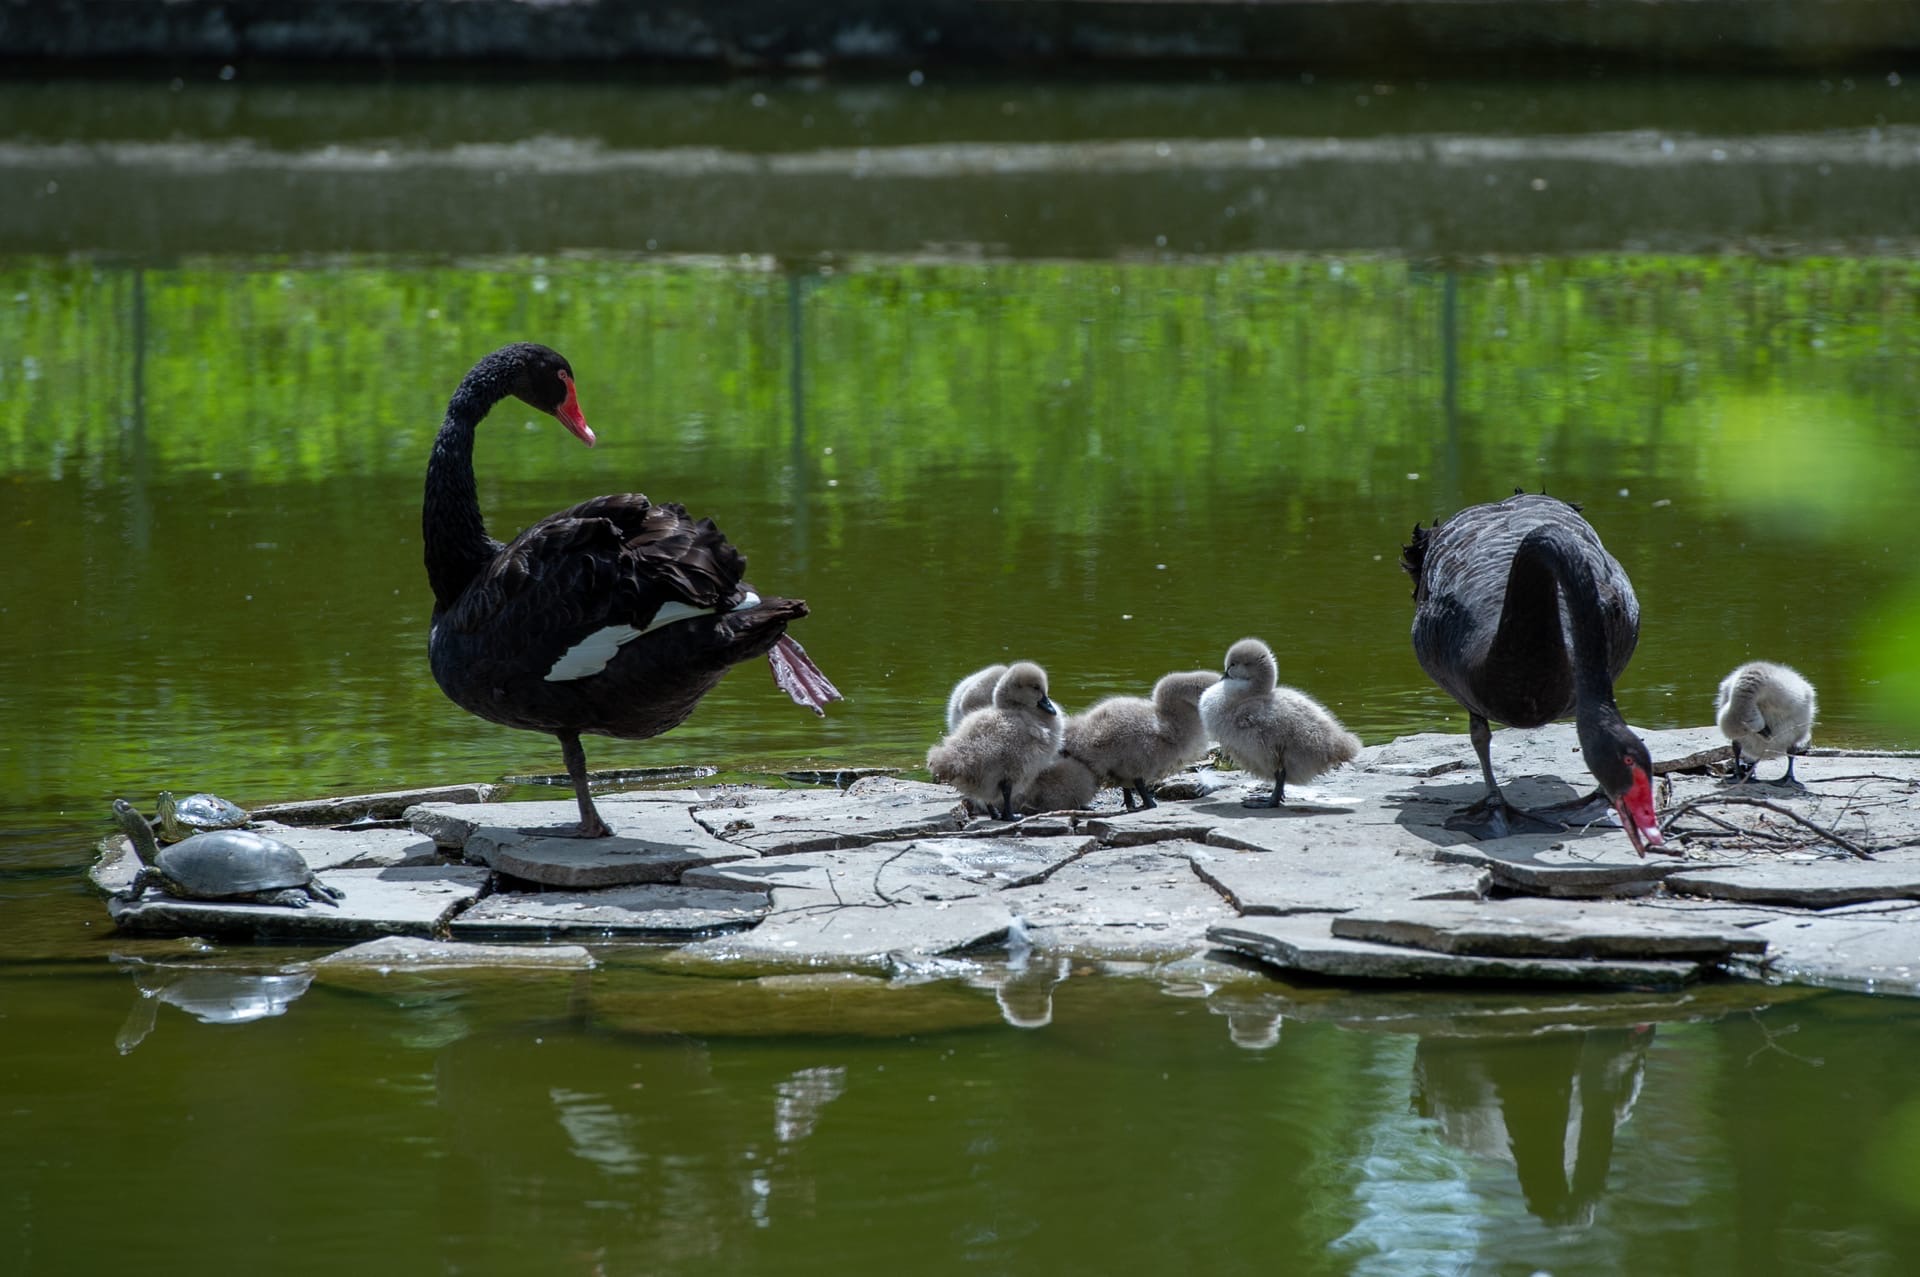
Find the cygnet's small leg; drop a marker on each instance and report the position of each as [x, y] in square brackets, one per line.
[1788, 781]
[1278, 796]
[1739, 773]
[1006, 800]
[1146, 795]
[1126, 796]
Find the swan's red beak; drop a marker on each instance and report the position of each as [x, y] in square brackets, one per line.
[1637, 816]
[570, 415]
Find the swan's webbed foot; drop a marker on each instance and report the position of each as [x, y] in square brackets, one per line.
[1494, 817]
[1575, 813]
[597, 828]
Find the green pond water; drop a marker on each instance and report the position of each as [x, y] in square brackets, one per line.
[210, 470]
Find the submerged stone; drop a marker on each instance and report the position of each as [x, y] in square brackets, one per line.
[412, 953]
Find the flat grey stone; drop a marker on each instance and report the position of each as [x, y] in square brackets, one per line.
[412, 900]
[387, 805]
[413, 953]
[1872, 952]
[329, 850]
[827, 933]
[451, 824]
[1544, 929]
[651, 842]
[1304, 943]
[877, 809]
[1142, 901]
[1598, 863]
[1808, 882]
[650, 912]
[1329, 879]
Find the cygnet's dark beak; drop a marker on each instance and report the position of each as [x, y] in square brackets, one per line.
[1047, 705]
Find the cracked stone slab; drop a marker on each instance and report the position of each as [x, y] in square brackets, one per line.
[1599, 863]
[389, 804]
[412, 900]
[826, 934]
[1806, 881]
[651, 842]
[1305, 943]
[776, 822]
[1140, 900]
[1334, 876]
[1533, 928]
[924, 869]
[1873, 952]
[1169, 822]
[648, 912]
[413, 953]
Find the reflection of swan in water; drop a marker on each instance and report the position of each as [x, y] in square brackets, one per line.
[1548, 1104]
[209, 995]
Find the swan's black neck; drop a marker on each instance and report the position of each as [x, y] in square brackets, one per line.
[457, 544]
[1551, 565]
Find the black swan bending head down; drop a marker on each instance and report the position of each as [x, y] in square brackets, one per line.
[1522, 616]
[613, 617]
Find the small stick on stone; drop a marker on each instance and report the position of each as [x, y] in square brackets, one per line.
[1694, 804]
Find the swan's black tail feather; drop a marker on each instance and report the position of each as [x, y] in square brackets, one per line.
[1413, 555]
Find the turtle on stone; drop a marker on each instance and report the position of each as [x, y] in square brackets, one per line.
[197, 814]
[225, 864]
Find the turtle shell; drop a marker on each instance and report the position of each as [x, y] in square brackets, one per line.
[209, 811]
[230, 862]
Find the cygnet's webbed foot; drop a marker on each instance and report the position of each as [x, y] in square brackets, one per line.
[1147, 801]
[1494, 817]
[1126, 797]
[1006, 801]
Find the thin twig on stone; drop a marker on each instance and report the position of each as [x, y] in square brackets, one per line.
[1695, 804]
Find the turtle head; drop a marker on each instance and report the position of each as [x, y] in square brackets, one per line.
[135, 827]
[168, 812]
